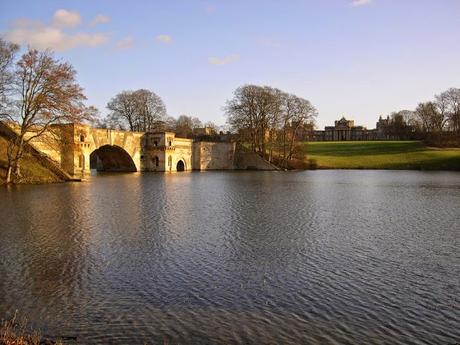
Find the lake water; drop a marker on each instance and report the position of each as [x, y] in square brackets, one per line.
[317, 257]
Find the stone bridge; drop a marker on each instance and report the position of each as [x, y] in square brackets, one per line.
[77, 149]
[84, 148]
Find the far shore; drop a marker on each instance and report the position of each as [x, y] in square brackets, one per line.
[388, 155]
[362, 155]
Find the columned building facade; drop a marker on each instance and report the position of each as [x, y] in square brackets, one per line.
[345, 130]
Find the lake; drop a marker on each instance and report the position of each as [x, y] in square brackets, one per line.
[315, 257]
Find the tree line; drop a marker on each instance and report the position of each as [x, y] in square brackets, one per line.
[144, 111]
[269, 120]
[433, 120]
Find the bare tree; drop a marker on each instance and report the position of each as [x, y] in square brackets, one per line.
[149, 109]
[136, 110]
[397, 125]
[451, 98]
[44, 92]
[430, 116]
[269, 118]
[214, 127]
[297, 112]
[241, 114]
[122, 111]
[7, 53]
[185, 125]
[170, 123]
[441, 116]
[252, 112]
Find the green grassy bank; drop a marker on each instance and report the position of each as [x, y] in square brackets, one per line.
[382, 155]
[32, 169]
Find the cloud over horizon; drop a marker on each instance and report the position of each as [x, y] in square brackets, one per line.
[100, 19]
[54, 35]
[360, 2]
[125, 43]
[63, 18]
[163, 38]
[223, 61]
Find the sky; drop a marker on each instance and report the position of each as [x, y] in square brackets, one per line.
[353, 58]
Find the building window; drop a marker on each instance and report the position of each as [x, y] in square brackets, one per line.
[170, 143]
[170, 161]
[157, 161]
[155, 143]
[82, 138]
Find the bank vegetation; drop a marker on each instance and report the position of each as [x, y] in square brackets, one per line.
[436, 122]
[17, 331]
[37, 91]
[269, 121]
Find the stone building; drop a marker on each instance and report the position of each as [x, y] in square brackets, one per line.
[345, 130]
[163, 151]
[204, 131]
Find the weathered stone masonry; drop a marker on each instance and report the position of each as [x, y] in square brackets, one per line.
[79, 148]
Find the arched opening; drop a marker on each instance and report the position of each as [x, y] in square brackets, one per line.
[111, 158]
[180, 166]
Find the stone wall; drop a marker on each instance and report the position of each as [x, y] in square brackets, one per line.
[213, 156]
[163, 151]
[182, 152]
[247, 160]
[46, 150]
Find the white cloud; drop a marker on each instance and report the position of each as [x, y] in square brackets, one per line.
[125, 43]
[360, 2]
[100, 19]
[164, 38]
[223, 61]
[54, 35]
[63, 18]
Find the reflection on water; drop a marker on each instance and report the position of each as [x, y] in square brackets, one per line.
[321, 257]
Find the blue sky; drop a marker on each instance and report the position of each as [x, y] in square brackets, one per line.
[360, 58]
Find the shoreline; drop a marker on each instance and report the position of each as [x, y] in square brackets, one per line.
[83, 180]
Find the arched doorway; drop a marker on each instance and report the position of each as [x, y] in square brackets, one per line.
[180, 166]
[155, 163]
[111, 158]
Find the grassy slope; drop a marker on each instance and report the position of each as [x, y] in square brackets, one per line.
[382, 155]
[32, 170]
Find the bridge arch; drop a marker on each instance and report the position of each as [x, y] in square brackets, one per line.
[180, 166]
[112, 158]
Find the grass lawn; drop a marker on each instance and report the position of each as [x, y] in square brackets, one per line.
[32, 170]
[382, 155]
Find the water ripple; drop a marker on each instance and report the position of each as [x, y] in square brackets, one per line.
[324, 257]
